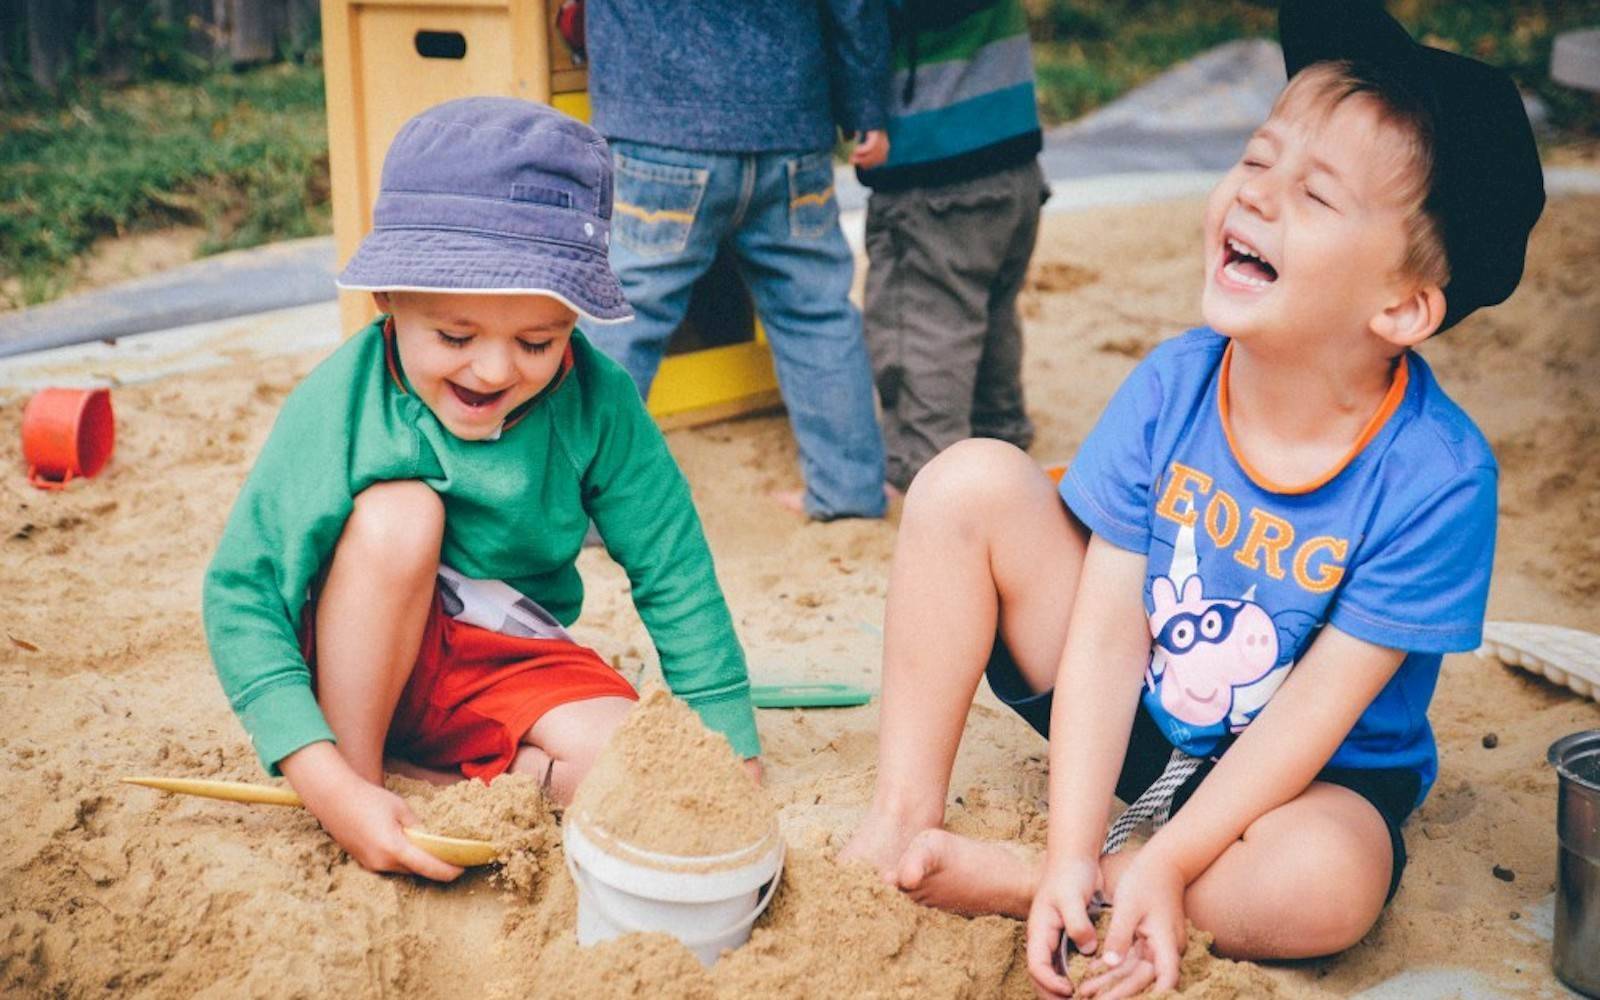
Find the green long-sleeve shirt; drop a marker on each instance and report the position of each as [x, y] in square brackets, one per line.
[516, 509]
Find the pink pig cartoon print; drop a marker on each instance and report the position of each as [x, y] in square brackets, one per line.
[1212, 656]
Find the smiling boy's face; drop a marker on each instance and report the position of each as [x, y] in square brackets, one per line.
[472, 359]
[1308, 234]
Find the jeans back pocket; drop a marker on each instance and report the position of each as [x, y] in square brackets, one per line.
[813, 210]
[655, 204]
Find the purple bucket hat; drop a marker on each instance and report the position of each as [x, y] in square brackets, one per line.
[494, 194]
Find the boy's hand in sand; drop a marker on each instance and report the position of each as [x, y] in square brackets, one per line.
[752, 767]
[1131, 977]
[1146, 939]
[366, 820]
[872, 148]
[1061, 905]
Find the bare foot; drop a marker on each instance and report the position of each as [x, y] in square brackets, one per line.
[790, 500]
[795, 500]
[406, 769]
[880, 841]
[970, 877]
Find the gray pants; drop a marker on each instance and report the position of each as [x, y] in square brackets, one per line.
[945, 265]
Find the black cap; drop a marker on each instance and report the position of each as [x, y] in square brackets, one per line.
[1488, 186]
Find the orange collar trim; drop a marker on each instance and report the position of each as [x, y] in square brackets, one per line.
[391, 357]
[1386, 409]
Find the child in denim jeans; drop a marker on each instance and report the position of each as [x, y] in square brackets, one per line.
[393, 584]
[722, 119]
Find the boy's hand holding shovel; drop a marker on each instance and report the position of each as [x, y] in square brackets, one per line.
[368, 821]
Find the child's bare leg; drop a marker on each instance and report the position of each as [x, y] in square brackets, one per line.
[565, 741]
[371, 614]
[1328, 844]
[984, 542]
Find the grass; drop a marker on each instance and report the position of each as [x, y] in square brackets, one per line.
[1088, 52]
[244, 156]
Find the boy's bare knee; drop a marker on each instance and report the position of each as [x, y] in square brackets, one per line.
[583, 751]
[576, 732]
[1338, 863]
[400, 522]
[1335, 856]
[970, 477]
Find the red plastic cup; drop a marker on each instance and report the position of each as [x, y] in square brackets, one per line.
[67, 433]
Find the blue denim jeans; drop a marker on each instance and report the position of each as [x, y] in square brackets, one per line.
[776, 211]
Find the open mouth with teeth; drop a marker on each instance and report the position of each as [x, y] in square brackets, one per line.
[476, 400]
[1244, 264]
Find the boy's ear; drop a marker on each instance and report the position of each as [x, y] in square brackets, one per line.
[1412, 319]
[383, 301]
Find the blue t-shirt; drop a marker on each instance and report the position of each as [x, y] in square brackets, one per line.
[1394, 548]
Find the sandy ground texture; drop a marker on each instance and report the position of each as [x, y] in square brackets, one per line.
[103, 672]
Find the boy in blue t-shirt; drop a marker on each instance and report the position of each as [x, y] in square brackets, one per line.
[1245, 583]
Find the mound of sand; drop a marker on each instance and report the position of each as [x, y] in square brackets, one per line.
[669, 785]
[514, 815]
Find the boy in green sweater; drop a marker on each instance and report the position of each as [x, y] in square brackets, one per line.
[393, 582]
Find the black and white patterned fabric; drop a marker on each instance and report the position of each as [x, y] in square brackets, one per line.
[1154, 803]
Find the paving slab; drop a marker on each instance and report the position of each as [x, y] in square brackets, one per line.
[158, 354]
[238, 283]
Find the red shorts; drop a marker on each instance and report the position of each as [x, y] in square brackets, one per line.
[474, 694]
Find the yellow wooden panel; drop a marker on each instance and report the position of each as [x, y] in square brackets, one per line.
[713, 377]
[574, 103]
[397, 83]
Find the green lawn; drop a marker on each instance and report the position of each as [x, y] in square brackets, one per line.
[245, 156]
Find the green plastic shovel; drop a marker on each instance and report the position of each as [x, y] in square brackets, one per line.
[816, 695]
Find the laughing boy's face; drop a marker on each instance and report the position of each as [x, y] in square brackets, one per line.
[472, 359]
[1306, 235]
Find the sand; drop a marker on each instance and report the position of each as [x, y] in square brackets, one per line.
[103, 672]
[514, 815]
[668, 785]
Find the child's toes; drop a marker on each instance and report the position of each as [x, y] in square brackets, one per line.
[920, 860]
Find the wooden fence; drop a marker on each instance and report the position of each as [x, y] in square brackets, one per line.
[46, 40]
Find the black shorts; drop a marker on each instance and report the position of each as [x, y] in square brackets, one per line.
[1392, 791]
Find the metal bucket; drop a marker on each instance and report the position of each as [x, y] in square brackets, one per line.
[1577, 941]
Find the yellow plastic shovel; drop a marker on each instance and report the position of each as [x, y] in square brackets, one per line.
[456, 850]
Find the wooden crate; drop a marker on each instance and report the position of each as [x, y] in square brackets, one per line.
[386, 60]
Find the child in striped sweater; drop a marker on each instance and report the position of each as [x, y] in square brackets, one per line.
[950, 229]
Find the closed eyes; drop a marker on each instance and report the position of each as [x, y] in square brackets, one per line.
[530, 347]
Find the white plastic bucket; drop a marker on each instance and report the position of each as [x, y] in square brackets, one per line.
[708, 903]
